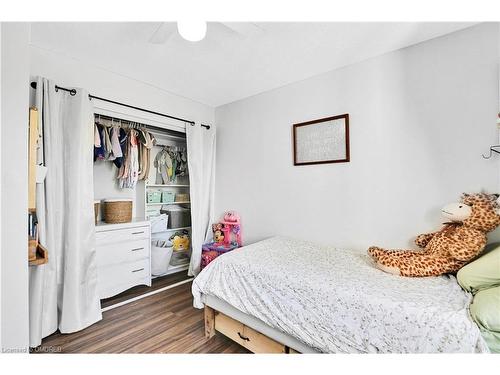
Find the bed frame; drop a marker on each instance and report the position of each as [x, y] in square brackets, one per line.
[240, 333]
[247, 330]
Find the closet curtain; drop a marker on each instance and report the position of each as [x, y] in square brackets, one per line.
[201, 164]
[63, 293]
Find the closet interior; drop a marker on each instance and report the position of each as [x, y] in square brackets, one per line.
[142, 203]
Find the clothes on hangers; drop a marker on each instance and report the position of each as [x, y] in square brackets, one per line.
[107, 144]
[116, 150]
[170, 162]
[129, 148]
[99, 151]
[97, 138]
[162, 160]
[146, 142]
[129, 172]
[122, 140]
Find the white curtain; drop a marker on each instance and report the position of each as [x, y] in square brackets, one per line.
[63, 292]
[201, 164]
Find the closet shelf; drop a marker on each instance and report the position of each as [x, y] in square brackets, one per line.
[173, 269]
[170, 203]
[165, 185]
[42, 256]
[171, 230]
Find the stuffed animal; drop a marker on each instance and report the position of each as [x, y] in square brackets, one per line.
[456, 244]
[180, 240]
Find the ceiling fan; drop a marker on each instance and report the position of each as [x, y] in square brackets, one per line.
[241, 29]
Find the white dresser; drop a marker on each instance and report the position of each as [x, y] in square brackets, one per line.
[123, 256]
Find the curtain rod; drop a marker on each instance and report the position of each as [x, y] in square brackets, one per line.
[73, 92]
[168, 132]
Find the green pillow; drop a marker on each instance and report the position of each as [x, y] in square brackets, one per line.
[485, 310]
[482, 273]
[482, 278]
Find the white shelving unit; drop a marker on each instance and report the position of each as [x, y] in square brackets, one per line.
[168, 185]
[182, 186]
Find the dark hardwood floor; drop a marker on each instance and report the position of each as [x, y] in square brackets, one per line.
[165, 322]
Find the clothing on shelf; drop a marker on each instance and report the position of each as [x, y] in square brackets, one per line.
[128, 148]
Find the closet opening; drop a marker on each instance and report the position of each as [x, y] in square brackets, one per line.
[140, 171]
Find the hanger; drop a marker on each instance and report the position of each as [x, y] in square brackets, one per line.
[492, 150]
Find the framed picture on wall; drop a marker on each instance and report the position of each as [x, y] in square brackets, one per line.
[321, 141]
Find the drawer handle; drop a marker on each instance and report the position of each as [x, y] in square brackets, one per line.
[138, 232]
[139, 270]
[139, 248]
[243, 337]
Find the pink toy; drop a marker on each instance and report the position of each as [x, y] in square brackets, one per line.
[218, 233]
[232, 225]
[232, 216]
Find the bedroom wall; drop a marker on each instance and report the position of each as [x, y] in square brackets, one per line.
[420, 118]
[14, 187]
[67, 71]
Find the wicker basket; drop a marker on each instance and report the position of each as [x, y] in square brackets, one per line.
[182, 197]
[97, 204]
[117, 211]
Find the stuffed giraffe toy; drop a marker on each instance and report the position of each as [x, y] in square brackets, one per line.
[459, 241]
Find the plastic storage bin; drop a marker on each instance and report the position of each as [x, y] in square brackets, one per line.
[167, 196]
[178, 258]
[179, 217]
[159, 223]
[161, 252]
[154, 196]
[152, 212]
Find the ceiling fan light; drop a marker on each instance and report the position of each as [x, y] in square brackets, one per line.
[194, 31]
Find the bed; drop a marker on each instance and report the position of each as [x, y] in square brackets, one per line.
[309, 298]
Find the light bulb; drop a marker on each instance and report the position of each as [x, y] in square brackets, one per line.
[194, 31]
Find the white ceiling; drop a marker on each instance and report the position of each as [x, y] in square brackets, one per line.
[234, 61]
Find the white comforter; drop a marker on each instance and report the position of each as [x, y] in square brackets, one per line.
[335, 300]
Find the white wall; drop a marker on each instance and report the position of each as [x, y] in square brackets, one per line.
[420, 118]
[1, 228]
[14, 187]
[100, 82]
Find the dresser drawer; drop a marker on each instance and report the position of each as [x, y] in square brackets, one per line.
[114, 253]
[114, 279]
[122, 235]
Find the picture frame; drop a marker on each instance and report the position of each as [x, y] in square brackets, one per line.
[321, 141]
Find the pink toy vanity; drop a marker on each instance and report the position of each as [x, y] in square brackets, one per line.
[223, 233]
[231, 225]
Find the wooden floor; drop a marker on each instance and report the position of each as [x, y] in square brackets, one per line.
[157, 283]
[163, 323]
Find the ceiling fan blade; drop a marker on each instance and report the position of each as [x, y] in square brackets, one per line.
[246, 29]
[162, 33]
